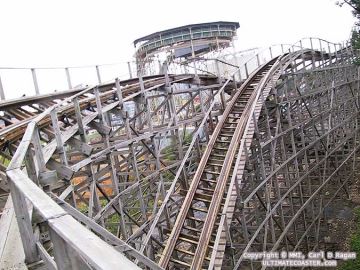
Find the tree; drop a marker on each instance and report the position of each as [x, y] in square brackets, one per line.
[354, 4]
[355, 35]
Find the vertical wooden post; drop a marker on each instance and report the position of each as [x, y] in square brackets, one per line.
[2, 94]
[36, 86]
[60, 146]
[98, 74]
[129, 68]
[68, 78]
[79, 119]
[65, 257]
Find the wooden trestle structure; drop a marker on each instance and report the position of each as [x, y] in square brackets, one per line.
[184, 171]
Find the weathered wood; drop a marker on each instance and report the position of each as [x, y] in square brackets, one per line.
[11, 250]
[41, 202]
[24, 223]
[101, 128]
[62, 170]
[58, 137]
[94, 250]
[109, 237]
[50, 264]
[65, 256]
[80, 146]
[47, 178]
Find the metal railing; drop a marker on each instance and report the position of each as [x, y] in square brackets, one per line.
[260, 57]
[40, 80]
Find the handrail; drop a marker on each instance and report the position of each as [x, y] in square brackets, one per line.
[127, 69]
[128, 66]
[63, 67]
[246, 68]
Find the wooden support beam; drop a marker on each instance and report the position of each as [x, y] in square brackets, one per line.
[101, 128]
[80, 146]
[63, 171]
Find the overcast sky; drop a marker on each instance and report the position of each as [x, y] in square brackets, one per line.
[77, 32]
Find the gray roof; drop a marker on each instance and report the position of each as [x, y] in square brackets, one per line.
[176, 29]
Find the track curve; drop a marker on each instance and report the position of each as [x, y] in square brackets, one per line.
[270, 137]
[208, 185]
[200, 221]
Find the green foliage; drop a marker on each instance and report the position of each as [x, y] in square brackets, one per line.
[112, 223]
[357, 214]
[83, 207]
[6, 162]
[355, 42]
[169, 152]
[354, 4]
[197, 108]
[103, 202]
[354, 246]
[188, 139]
[168, 176]
[355, 36]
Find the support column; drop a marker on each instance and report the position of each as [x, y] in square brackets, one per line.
[36, 86]
[2, 94]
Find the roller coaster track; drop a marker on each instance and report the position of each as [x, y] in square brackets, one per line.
[17, 114]
[76, 109]
[198, 215]
[248, 166]
[198, 220]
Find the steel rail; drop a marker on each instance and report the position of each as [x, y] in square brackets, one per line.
[170, 191]
[225, 172]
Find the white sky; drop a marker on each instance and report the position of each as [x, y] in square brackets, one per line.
[59, 33]
[79, 32]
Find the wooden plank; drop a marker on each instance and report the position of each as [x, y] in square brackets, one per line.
[90, 247]
[62, 170]
[80, 146]
[42, 202]
[50, 263]
[20, 153]
[101, 128]
[109, 237]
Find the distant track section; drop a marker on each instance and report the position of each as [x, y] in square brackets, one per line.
[17, 113]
